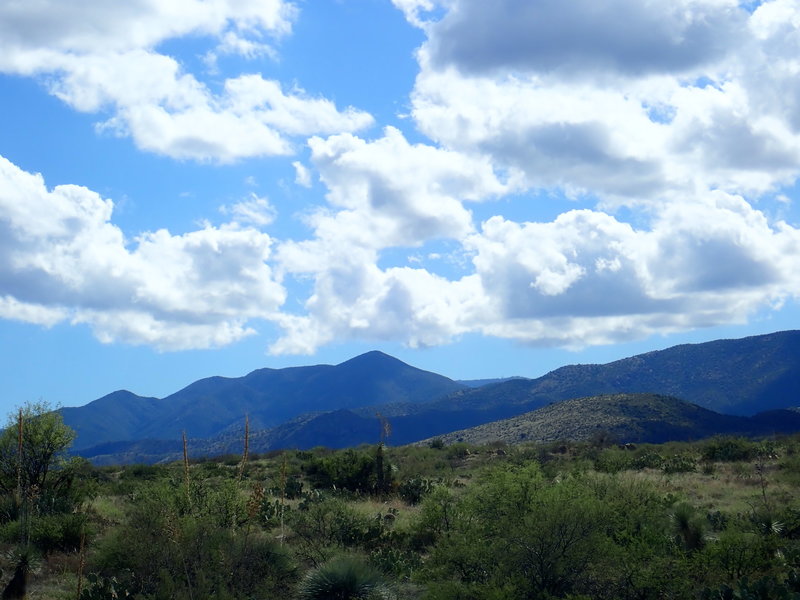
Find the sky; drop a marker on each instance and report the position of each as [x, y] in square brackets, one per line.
[482, 189]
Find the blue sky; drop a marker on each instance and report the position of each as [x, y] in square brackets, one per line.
[483, 189]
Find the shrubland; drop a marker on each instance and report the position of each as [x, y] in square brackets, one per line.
[716, 518]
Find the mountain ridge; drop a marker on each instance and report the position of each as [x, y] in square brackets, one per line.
[294, 406]
[269, 397]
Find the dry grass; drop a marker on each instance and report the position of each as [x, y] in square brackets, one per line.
[734, 488]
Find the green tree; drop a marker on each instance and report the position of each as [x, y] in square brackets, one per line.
[33, 444]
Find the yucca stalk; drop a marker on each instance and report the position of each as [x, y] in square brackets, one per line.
[283, 493]
[246, 446]
[175, 535]
[81, 562]
[19, 456]
[186, 470]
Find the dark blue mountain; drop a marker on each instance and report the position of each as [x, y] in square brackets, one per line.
[269, 397]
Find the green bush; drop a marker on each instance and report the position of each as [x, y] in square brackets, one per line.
[328, 525]
[647, 460]
[350, 470]
[396, 562]
[412, 490]
[457, 450]
[680, 463]
[103, 588]
[613, 460]
[729, 449]
[169, 555]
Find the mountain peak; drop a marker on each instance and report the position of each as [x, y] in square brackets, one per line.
[373, 357]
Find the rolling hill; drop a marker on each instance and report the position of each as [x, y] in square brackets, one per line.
[629, 418]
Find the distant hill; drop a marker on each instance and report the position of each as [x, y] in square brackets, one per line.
[270, 397]
[335, 405]
[739, 377]
[117, 416]
[476, 383]
[629, 418]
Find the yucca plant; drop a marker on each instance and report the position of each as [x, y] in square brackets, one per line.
[343, 578]
[25, 561]
[687, 527]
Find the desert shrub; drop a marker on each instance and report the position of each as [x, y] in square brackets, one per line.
[291, 488]
[57, 532]
[613, 460]
[729, 449]
[326, 526]
[169, 551]
[517, 533]
[46, 533]
[679, 463]
[103, 588]
[350, 470]
[736, 554]
[647, 459]
[436, 444]
[457, 450]
[412, 490]
[142, 472]
[396, 562]
[768, 587]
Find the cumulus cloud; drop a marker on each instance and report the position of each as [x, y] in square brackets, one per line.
[672, 130]
[103, 57]
[633, 37]
[63, 258]
[584, 278]
[697, 94]
[683, 114]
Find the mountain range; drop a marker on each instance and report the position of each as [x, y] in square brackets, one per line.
[338, 405]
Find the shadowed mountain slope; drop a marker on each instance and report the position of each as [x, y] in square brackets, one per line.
[740, 377]
[269, 396]
[336, 405]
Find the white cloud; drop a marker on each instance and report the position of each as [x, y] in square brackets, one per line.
[62, 258]
[666, 127]
[632, 37]
[584, 278]
[302, 174]
[675, 97]
[682, 114]
[415, 11]
[254, 211]
[392, 193]
[102, 57]
[96, 27]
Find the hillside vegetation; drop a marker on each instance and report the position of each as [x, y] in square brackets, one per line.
[625, 417]
[716, 518]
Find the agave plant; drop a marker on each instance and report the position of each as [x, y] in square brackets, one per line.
[343, 578]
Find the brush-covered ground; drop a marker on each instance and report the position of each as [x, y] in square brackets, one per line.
[717, 519]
